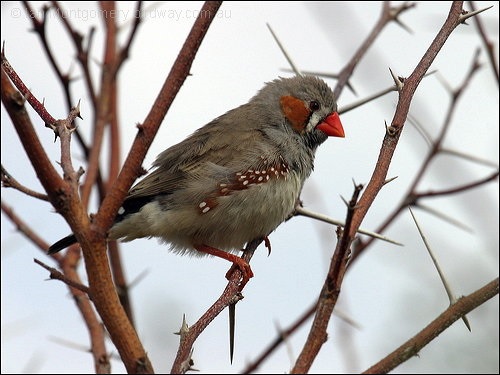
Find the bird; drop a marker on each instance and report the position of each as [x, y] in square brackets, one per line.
[235, 179]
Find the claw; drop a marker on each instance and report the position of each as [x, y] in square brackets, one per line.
[242, 266]
[238, 263]
[267, 243]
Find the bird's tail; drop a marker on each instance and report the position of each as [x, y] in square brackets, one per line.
[62, 244]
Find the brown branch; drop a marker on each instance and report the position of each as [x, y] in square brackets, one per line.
[39, 27]
[26, 94]
[62, 194]
[56, 275]
[114, 169]
[456, 311]
[388, 15]
[412, 82]
[93, 171]
[122, 287]
[459, 189]
[100, 282]
[83, 57]
[97, 333]
[408, 88]
[14, 104]
[25, 229]
[82, 53]
[329, 293]
[435, 149]
[228, 296]
[465, 83]
[391, 139]
[69, 276]
[104, 105]
[488, 44]
[9, 181]
[282, 336]
[124, 52]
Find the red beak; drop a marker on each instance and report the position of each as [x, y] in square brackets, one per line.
[332, 126]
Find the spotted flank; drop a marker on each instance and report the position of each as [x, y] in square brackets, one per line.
[243, 180]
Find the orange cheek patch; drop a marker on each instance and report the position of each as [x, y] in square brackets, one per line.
[295, 111]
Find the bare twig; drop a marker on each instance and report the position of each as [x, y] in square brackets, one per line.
[314, 215]
[388, 14]
[329, 293]
[25, 92]
[285, 53]
[489, 45]
[413, 346]
[230, 294]
[446, 284]
[9, 181]
[387, 150]
[55, 274]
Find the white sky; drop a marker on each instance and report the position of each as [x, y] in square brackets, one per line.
[392, 292]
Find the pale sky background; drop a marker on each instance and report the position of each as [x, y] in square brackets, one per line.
[391, 293]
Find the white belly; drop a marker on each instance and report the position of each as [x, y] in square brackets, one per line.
[237, 218]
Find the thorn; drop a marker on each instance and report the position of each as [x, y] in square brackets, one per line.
[351, 87]
[431, 72]
[404, 26]
[141, 365]
[454, 300]
[390, 180]
[51, 126]
[78, 114]
[313, 215]
[466, 322]
[188, 363]
[465, 14]
[326, 75]
[359, 103]
[398, 81]
[232, 314]
[445, 217]
[81, 171]
[55, 136]
[444, 82]
[447, 287]
[232, 319]
[184, 327]
[395, 12]
[287, 56]
[345, 202]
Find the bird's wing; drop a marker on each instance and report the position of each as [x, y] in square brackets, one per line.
[200, 154]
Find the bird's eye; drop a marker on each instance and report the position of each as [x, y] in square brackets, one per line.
[314, 105]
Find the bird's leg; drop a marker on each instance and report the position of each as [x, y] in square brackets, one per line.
[236, 260]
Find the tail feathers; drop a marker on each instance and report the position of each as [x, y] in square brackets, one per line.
[62, 244]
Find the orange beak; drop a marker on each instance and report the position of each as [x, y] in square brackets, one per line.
[332, 126]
